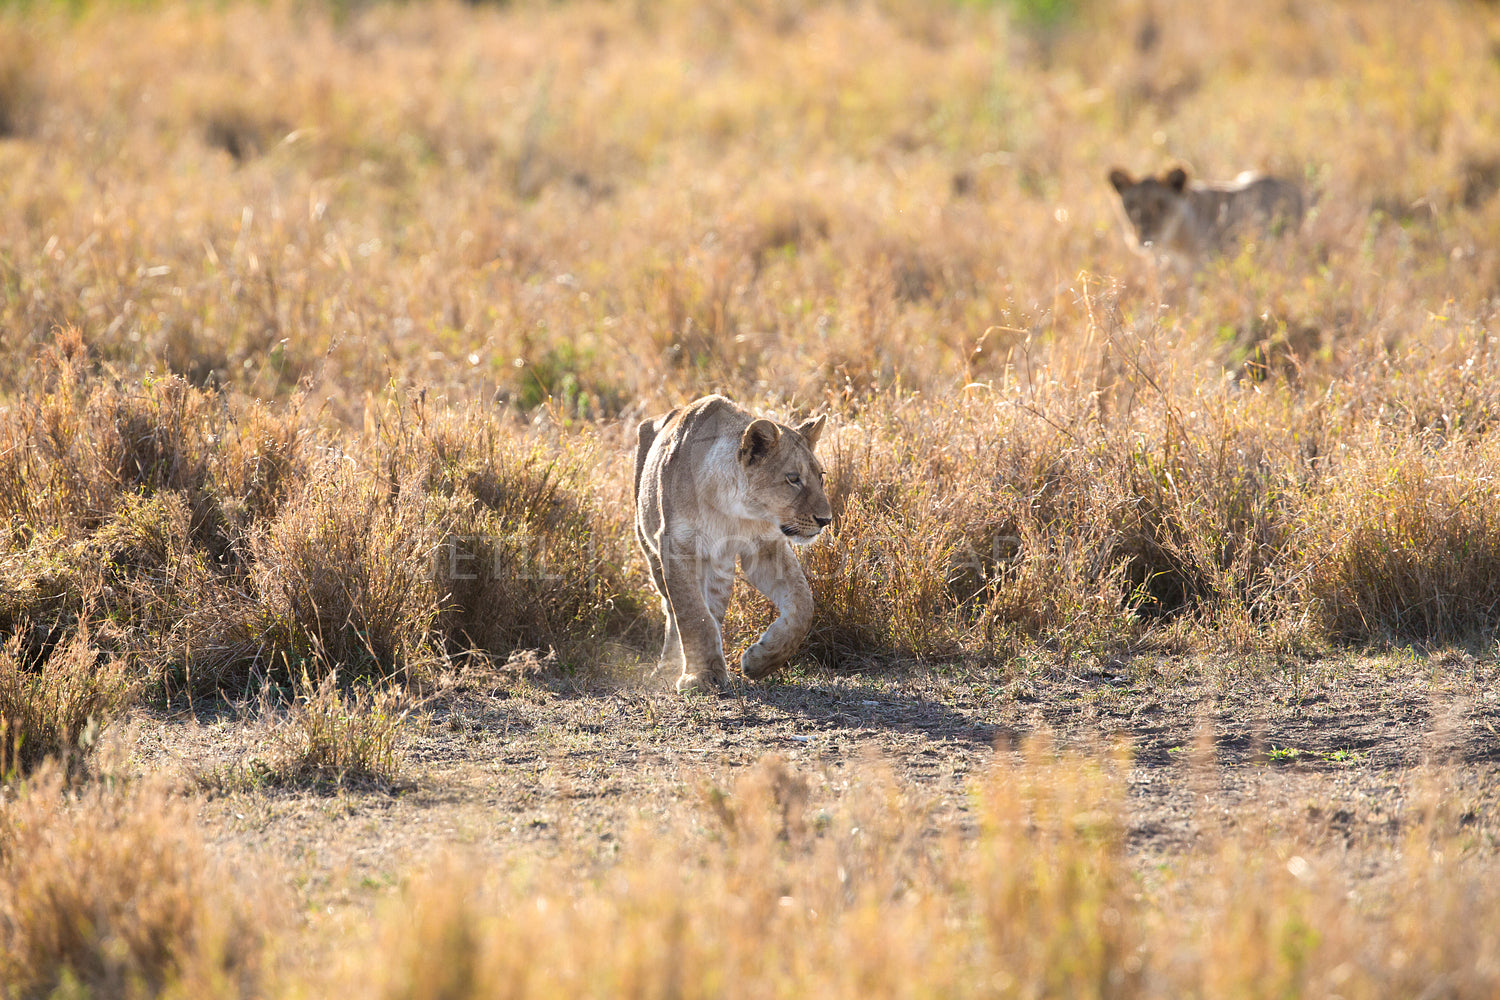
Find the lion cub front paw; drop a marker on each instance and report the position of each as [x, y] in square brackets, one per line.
[706, 680]
[758, 662]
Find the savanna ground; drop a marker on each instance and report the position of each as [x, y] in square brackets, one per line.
[1155, 651]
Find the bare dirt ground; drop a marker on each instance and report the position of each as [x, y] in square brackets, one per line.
[507, 765]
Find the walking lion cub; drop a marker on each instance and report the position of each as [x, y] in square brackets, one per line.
[714, 484]
[1184, 222]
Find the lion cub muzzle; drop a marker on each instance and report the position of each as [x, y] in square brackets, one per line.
[782, 464]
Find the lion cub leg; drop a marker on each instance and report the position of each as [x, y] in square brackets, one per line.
[671, 648]
[672, 657]
[773, 570]
[694, 621]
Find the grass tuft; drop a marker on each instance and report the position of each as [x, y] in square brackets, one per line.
[57, 709]
[343, 577]
[108, 891]
[339, 737]
[1408, 548]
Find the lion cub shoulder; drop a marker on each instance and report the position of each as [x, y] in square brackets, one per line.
[1184, 221]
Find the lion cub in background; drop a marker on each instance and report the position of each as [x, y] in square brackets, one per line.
[1184, 222]
[712, 484]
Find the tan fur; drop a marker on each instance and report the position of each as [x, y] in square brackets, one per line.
[1185, 221]
[714, 484]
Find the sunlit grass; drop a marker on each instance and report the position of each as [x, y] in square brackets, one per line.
[765, 890]
[326, 328]
[458, 244]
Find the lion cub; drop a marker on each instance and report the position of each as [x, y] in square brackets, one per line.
[1184, 222]
[712, 484]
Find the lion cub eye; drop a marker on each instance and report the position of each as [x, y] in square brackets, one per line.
[794, 479]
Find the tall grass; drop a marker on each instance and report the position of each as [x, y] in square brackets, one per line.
[1008, 514]
[109, 892]
[326, 328]
[57, 708]
[214, 541]
[764, 891]
[343, 573]
[341, 371]
[772, 884]
[1411, 545]
[530, 555]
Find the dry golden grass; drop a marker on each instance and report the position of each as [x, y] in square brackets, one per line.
[595, 210]
[326, 327]
[760, 892]
[56, 709]
[338, 737]
[109, 891]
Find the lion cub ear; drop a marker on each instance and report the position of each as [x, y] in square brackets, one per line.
[811, 428]
[1178, 179]
[758, 440]
[1121, 180]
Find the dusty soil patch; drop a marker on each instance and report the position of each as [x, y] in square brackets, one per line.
[507, 765]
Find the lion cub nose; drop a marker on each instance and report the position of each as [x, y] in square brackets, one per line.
[823, 522]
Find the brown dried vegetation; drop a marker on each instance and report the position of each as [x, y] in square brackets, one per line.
[325, 328]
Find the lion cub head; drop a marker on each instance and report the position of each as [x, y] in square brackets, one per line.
[785, 480]
[1154, 205]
